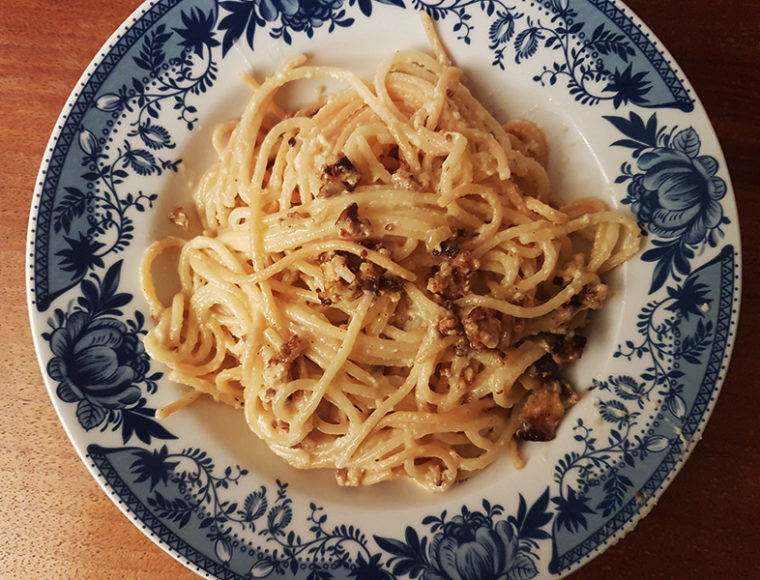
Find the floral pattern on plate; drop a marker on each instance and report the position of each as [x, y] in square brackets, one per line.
[148, 92]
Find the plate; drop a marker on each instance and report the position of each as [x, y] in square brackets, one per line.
[622, 122]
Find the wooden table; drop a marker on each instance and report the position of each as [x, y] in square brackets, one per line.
[55, 522]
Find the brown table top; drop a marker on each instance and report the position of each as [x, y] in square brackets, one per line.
[55, 521]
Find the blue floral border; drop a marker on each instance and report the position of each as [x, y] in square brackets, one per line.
[167, 495]
[687, 221]
[682, 100]
[241, 19]
[689, 427]
[120, 489]
[68, 135]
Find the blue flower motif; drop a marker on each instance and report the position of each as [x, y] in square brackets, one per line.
[572, 510]
[369, 569]
[111, 102]
[279, 519]
[526, 42]
[141, 161]
[153, 465]
[474, 553]
[261, 568]
[629, 389]
[474, 545]
[271, 9]
[502, 29]
[674, 192]
[223, 549]
[678, 194]
[473, 550]
[244, 17]
[154, 136]
[311, 15]
[689, 298]
[628, 87]
[97, 360]
[614, 411]
[198, 31]
[256, 505]
[88, 142]
[655, 443]
[81, 254]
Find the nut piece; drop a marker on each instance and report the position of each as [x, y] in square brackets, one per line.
[340, 177]
[565, 349]
[350, 225]
[178, 216]
[278, 364]
[541, 413]
[482, 328]
[453, 277]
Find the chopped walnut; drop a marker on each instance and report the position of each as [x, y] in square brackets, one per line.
[458, 382]
[278, 364]
[350, 225]
[339, 177]
[544, 407]
[453, 277]
[371, 278]
[178, 216]
[339, 279]
[448, 248]
[541, 413]
[591, 296]
[289, 351]
[564, 348]
[347, 274]
[449, 326]
[482, 327]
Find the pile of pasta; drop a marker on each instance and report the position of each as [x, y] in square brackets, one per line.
[384, 282]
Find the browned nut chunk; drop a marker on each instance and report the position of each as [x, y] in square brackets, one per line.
[591, 296]
[279, 363]
[339, 279]
[566, 349]
[482, 327]
[178, 216]
[339, 177]
[541, 413]
[453, 278]
[449, 326]
[350, 225]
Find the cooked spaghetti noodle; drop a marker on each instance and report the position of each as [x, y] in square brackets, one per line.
[384, 282]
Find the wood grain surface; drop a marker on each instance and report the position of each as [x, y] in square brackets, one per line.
[55, 522]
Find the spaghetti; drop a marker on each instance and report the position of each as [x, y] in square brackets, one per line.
[383, 282]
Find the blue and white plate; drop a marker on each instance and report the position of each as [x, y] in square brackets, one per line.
[623, 123]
